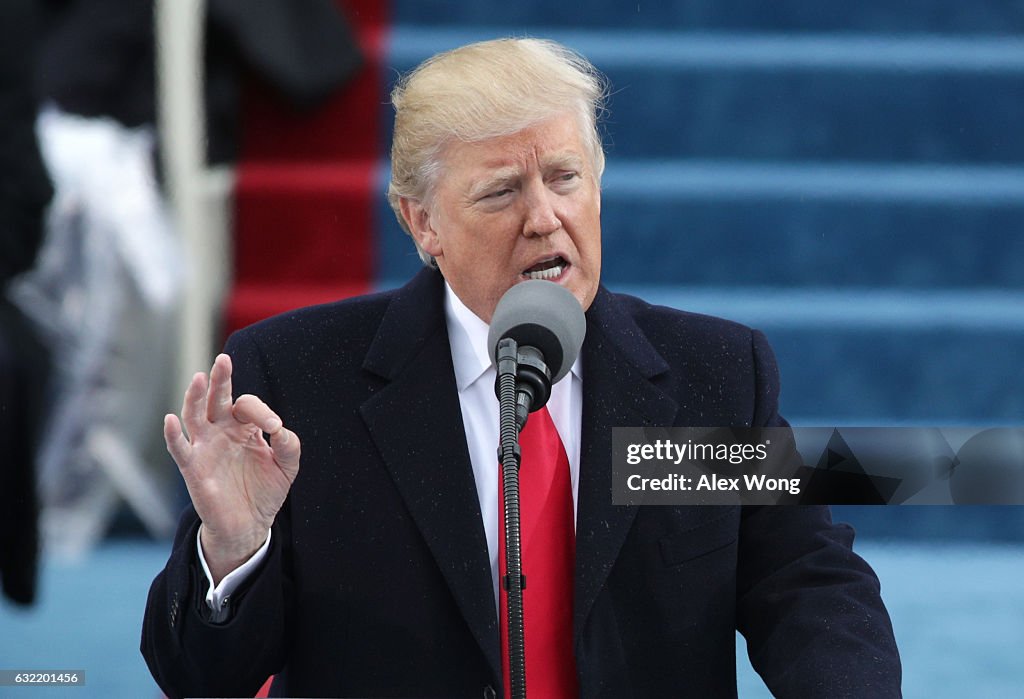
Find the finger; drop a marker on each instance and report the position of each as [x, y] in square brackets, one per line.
[249, 409]
[218, 398]
[193, 407]
[178, 447]
[287, 449]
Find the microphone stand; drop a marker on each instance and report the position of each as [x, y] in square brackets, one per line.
[523, 385]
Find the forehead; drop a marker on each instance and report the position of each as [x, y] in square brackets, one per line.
[553, 142]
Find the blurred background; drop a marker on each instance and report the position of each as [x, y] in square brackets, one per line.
[847, 177]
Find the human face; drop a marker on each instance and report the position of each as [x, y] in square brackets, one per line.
[512, 208]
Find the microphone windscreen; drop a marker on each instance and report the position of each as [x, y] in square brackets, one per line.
[544, 315]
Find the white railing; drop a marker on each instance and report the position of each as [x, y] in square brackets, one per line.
[199, 196]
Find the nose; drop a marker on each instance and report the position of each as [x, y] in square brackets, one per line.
[541, 217]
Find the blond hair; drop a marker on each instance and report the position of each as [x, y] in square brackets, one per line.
[486, 90]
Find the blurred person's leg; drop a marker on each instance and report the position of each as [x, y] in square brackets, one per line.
[106, 288]
[24, 373]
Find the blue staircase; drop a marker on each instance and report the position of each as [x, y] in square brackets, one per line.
[848, 177]
[989, 17]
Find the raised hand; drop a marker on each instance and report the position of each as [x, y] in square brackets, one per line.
[237, 480]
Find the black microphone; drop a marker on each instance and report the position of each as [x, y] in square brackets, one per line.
[546, 327]
[536, 333]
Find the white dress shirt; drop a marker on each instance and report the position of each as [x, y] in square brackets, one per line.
[474, 379]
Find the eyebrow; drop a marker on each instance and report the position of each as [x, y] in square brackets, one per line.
[510, 173]
[565, 160]
[493, 179]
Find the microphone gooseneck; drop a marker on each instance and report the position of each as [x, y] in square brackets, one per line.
[536, 333]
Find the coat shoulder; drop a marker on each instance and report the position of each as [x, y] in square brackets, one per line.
[346, 319]
[666, 327]
[730, 366]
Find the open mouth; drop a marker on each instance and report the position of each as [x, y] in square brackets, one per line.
[547, 269]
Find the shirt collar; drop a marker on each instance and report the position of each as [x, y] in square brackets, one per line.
[468, 338]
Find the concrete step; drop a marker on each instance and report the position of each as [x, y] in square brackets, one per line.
[927, 16]
[880, 357]
[817, 225]
[775, 97]
[793, 225]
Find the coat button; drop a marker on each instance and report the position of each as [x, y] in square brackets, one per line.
[489, 692]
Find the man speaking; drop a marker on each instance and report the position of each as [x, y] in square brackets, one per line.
[366, 563]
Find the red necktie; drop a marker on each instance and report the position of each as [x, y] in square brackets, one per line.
[548, 544]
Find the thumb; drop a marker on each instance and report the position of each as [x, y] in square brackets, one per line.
[286, 447]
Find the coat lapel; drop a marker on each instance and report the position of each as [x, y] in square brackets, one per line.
[416, 424]
[618, 365]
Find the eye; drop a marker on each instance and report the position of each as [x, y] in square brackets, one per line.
[498, 193]
[565, 180]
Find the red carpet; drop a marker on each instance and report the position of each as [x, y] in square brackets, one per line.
[303, 218]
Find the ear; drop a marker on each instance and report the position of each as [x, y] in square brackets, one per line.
[417, 219]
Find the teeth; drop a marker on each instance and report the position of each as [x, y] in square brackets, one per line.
[552, 273]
